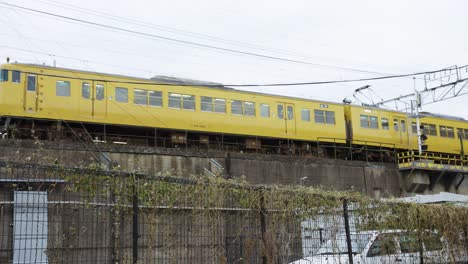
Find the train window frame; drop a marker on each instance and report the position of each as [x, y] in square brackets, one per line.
[155, 100]
[374, 122]
[385, 124]
[181, 101]
[62, 88]
[237, 107]
[121, 94]
[305, 114]
[15, 76]
[446, 131]
[368, 121]
[140, 96]
[4, 75]
[219, 105]
[280, 111]
[212, 104]
[249, 108]
[206, 104]
[265, 110]
[450, 132]
[290, 110]
[175, 100]
[463, 132]
[85, 90]
[330, 117]
[324, 117]
[396, 124]
[429, 129]
[100, 91]
[403, 125]
[31, 85]
[188, 102]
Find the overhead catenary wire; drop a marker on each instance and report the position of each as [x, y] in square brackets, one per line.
[154, 82]
[185, 42]
[173, 30]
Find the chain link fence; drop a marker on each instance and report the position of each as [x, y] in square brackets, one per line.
[51, 214]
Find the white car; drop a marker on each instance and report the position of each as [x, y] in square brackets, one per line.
[391, 246]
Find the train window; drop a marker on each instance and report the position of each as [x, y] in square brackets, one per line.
[121, 94]
[327, 117]
[188, 102]
[395, 125]
[290, 112]
[403, 125]
[99, 92]
[206, 104]
[369, 121]
[414, 128]
[3, 75]
[374, 122]
[280, 109]
[450, 132]
[62, 88]
[460, 133]
[249, 108]
[155, 98]
[305, 115]
[330, 117]
[264, 110]
[236, 107]
[319, 116]
[429, 129]
[443, 131]
[220, 105]
[31, 83]
[140, 97]
[85, 90]
[210, 104]
[385, 125]
[175, 100]
[16, 76]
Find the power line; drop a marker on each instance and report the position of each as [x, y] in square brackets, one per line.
[190, 43]
[152, 82]
[331, 82]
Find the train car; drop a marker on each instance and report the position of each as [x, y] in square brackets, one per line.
[445, 134]
[49, 93]
[380, 127]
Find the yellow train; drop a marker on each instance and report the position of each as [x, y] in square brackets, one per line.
[48, 94]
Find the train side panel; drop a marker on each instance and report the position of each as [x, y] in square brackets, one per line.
[377, 127]
[54, 93]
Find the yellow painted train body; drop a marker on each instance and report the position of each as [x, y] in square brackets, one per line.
[41, 92]
[54, 93]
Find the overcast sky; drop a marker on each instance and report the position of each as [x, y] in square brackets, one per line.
[333, 40]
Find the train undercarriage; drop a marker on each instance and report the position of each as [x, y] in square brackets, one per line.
[105, 134]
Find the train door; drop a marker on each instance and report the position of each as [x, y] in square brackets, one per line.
[99, 102]
[86, 101]
[286, 112]
[93, 99]
[30, 93]
[400, 125]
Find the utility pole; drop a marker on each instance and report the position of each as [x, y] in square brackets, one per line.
[417, 104]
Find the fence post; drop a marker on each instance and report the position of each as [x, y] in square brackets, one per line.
[263, 225]
[347, 230]
[135, 234]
